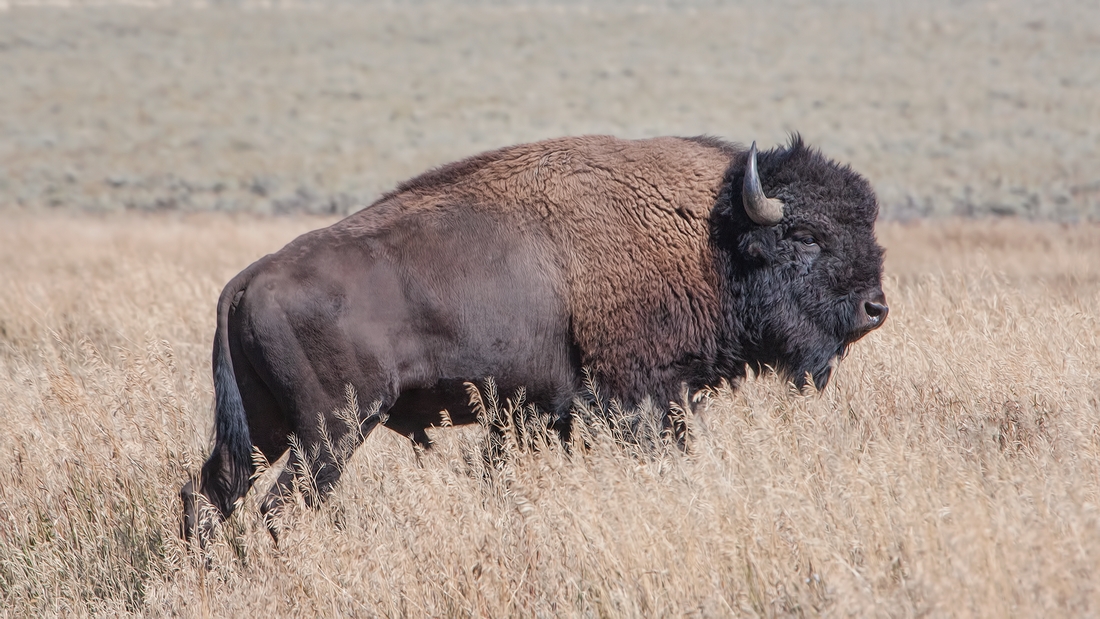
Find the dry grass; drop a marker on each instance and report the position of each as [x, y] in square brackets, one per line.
[952, 469]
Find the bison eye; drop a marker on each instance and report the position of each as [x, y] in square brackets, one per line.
[805, 239]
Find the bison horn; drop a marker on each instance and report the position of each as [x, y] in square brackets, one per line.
[760, 208]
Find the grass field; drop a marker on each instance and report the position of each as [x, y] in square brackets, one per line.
[950, 108]
[951, 469]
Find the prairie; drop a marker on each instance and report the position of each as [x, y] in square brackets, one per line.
[952, 468]
[950, 108]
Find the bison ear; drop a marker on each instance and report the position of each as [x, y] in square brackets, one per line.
[757, 248]
[756, 251]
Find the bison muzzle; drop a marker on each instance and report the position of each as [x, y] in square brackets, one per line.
[663, 265]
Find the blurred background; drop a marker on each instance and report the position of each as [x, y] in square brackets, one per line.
[948, 107]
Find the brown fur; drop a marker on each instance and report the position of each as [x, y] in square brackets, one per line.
[627, 222]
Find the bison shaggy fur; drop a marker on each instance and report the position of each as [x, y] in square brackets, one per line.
[643, 260]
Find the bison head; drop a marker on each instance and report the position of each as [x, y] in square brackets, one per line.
[799, 229]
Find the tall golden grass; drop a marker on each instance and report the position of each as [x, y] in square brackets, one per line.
[952, 468]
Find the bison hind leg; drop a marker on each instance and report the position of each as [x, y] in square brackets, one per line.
[214, 495]
[199, 515]
[313, 469]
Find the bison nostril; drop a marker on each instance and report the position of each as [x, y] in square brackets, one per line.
[876, 311]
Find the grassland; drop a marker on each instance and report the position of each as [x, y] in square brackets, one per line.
[951, 469]
[951, 108]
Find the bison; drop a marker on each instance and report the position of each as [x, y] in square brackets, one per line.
[662, 264]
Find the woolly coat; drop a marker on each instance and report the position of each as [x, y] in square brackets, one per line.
[621, 229]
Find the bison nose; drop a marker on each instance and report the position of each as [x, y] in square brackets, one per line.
[876, 312]
[872, 313]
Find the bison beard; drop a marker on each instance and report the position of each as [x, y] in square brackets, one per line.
[663, 265]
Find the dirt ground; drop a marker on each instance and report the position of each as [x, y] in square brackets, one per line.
[963, 108]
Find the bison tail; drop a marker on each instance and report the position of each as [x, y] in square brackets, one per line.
[227, 475]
